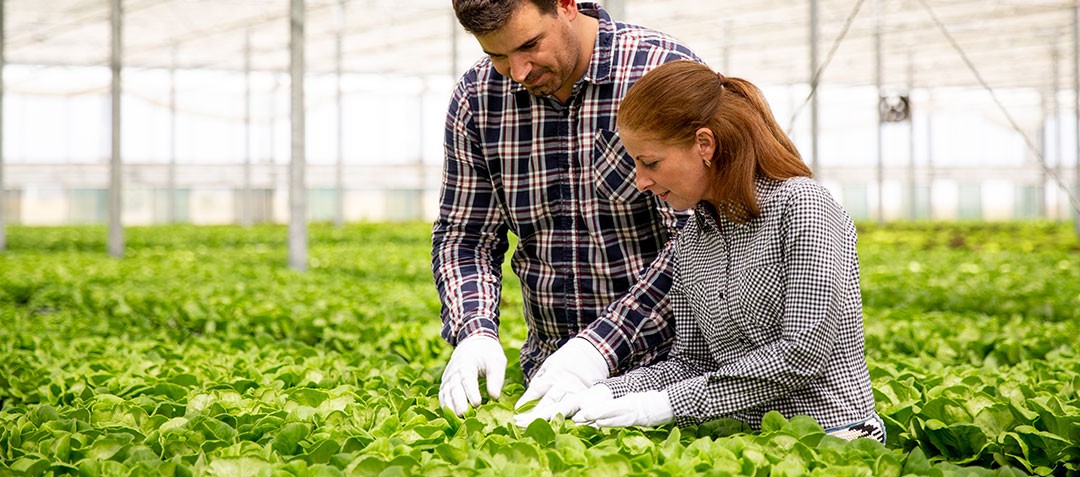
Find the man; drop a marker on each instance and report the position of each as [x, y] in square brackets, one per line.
[530, 149]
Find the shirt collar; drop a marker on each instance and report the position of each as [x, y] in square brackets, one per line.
[602, 55]
[763, 190]
[603, 49]
[703, 213]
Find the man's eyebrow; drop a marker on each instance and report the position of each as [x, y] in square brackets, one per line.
[527, 43]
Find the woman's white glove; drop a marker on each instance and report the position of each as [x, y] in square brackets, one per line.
[651, 408]
[473, 357]
[570, 369]
[567, 406]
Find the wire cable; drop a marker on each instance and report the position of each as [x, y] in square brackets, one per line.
[1049, 171]
[816, 80]
[36, 37]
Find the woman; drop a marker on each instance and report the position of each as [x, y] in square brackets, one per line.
[766, 289]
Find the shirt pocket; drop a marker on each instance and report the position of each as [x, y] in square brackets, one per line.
[760, 298]
[703, 305]
[613, 170]
[711, 314]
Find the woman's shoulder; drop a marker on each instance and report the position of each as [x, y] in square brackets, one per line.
[794, 189]
[802, 196]
[799, 189]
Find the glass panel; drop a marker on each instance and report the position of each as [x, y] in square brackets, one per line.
[88, 206]
[857, 202]
[969, 206]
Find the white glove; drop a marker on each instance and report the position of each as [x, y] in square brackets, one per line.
[651, 408]
[567, 406]
[474, 357]
[570, 369]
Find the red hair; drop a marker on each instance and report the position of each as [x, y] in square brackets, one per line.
[671, 102]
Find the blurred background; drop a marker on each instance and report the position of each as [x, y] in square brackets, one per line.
[923, 109]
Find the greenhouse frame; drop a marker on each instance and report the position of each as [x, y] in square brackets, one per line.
[225, 249]
[218, 74]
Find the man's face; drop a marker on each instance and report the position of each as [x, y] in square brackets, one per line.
[538, 50]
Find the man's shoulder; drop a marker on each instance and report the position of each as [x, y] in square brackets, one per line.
[637, 49]
[481, 73]
[630, 36]
[482, 81]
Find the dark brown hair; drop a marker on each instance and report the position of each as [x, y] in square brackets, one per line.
[674, 100]
[480, 17]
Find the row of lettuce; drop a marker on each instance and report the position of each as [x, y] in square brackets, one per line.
[199, 353]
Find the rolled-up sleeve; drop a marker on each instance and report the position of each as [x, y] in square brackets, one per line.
[638, 327]
[689, 356]
[814, 288]
[469, 237]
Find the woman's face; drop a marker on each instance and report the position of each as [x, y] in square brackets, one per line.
[676, 174]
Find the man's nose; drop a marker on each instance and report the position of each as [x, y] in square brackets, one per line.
[520, 67]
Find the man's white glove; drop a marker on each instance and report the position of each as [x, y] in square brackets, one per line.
[651, 408]
[570, 369]
[567, 406]
[473, 357]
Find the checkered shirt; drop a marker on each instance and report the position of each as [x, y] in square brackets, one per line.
[557, 177]
[768, 315]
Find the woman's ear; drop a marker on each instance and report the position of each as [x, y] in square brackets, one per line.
[705, 141]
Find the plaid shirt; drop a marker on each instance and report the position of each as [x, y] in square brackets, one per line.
[556, 176]
[768, 315]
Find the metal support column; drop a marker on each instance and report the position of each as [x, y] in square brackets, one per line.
[245, 193]
[725, 54]
[1076, 110]
[930, 176]
[298, 232]
[1055, 112]
[339, 184]
[617, 9]
[878, 67]
[116, 203]
[814, 129]
[3, 195]
[455, 33]
[421, 171]
[912, 186]
[170, 198]
[271, 140]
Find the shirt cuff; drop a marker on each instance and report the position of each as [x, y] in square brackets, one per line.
[601, 345]
[618, 386]
[684, 397]
[477, 326]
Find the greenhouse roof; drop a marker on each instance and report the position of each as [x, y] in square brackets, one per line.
[1011, 43]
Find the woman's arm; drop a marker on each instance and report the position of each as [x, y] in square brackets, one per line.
[817, 254]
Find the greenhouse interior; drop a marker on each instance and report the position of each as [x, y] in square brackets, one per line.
[217, 241]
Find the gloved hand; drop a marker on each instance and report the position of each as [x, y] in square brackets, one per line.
[473, 357]
[650, 408]
[573, 368]
[567, 406]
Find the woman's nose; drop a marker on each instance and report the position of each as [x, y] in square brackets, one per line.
[641, 181]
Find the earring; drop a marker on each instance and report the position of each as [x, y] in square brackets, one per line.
[708, 163]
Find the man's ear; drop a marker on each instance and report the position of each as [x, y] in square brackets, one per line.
[567, 7]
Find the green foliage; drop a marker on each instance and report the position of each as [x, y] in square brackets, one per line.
[200, 353]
